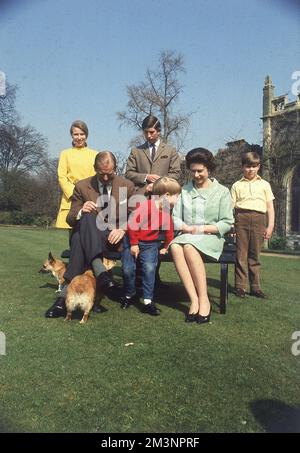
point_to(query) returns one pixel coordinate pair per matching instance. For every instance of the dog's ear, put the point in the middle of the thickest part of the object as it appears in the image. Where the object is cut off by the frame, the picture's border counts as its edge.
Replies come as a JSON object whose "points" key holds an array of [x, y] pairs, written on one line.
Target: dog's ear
{"points": [[50, 257]]}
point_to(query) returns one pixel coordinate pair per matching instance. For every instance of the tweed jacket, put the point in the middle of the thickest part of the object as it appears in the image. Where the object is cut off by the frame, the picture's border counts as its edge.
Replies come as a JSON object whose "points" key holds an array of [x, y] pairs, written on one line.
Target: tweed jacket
{"points": [[88, 190], [139, 164]]}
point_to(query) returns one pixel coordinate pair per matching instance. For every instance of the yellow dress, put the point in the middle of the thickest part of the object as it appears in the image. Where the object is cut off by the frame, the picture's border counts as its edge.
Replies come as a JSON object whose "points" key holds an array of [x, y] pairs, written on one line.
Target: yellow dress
{"points": [[74, 164]]}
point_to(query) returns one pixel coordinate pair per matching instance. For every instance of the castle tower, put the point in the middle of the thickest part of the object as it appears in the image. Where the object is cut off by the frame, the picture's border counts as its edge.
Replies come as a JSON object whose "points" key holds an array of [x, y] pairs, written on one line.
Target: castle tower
{"points": [[268, 96]]}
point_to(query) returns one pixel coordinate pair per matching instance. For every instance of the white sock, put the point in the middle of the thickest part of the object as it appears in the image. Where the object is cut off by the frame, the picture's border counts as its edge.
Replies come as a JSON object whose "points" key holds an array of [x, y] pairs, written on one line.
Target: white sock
{"points": [[147, 301]]}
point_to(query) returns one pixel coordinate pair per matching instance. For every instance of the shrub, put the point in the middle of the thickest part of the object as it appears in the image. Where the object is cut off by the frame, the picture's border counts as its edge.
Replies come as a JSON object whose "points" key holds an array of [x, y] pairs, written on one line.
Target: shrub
{"points": [[42, 221], [5, 218], [21, 218], [277, 243]]}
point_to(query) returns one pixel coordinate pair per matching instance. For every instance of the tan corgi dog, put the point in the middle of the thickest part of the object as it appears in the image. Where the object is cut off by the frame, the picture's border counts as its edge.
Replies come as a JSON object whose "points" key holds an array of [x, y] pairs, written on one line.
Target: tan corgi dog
{"points": [[81, 292], [56, 267]]}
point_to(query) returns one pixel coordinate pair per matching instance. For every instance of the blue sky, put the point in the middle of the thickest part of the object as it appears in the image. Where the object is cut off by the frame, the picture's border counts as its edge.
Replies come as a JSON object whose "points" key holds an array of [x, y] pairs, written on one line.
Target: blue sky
{"points": [[73, 59]]}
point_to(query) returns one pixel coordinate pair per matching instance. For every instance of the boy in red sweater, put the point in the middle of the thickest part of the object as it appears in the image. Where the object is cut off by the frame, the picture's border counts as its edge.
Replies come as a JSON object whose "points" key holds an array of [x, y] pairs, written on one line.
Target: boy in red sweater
{"points": [[143, 241]]}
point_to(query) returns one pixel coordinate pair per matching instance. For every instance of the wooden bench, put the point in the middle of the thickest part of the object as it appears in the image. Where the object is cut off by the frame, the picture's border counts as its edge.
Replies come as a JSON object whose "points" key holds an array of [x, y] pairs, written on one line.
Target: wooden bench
{"points": [[227, 257]]}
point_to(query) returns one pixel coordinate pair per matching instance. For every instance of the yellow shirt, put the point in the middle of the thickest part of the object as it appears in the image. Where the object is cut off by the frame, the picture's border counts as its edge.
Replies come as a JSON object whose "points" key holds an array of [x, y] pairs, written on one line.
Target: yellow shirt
{"points": [[252, 194], [74, 164]]}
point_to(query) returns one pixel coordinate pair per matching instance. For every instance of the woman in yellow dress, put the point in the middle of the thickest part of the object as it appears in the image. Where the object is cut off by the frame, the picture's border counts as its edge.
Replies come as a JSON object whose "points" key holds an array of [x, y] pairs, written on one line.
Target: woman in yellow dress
{"points": [[74, 164]]}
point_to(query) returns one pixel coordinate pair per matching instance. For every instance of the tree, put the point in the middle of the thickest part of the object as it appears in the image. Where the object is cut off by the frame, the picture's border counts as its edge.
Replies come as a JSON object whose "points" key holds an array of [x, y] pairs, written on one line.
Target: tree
{"points": [[228, 161], [29, 189], [8, 113], [158, 95], [32, 195], [21, 148]]}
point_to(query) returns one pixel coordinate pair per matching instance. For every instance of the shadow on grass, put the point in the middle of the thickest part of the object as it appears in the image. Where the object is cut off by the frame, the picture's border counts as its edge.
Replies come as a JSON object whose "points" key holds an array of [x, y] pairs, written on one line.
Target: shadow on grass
{"points": [[214, 283], [49, 285], [7, 427], [276, 416], [172, 295]]}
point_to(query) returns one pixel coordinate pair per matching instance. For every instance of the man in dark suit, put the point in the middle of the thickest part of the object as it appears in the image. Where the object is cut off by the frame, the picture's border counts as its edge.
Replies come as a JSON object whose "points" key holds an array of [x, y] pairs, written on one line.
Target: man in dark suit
{"points": [[98, 215], [153, 159]]}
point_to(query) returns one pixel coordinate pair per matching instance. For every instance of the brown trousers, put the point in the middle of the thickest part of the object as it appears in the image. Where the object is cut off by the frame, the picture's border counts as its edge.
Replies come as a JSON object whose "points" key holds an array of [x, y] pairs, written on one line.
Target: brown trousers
{"points": [[250, 228]]}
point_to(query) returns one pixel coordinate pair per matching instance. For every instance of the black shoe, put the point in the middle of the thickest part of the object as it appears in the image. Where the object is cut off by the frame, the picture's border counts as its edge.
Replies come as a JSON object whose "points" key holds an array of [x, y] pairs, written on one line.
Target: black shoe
{"points": [[203, 319], [191, 317], [108, 286], [151, 309], [58, 309], [127, 301], [258, 293]]}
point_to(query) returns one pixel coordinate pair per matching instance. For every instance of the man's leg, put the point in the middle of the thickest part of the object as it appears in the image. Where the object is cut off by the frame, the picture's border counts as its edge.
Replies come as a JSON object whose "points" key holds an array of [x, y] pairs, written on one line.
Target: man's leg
{"points": [[94, 243], [77, 264]]}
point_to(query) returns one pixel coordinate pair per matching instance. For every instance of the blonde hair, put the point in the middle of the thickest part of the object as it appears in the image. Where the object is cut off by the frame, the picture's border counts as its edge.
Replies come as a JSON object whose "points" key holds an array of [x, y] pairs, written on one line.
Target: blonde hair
{"points": [[166, 185]]}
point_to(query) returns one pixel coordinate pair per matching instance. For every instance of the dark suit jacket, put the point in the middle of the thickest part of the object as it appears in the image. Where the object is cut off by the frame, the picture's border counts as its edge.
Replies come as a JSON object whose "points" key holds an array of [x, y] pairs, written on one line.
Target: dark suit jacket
{"points": [[139, 164], [88, 190]]}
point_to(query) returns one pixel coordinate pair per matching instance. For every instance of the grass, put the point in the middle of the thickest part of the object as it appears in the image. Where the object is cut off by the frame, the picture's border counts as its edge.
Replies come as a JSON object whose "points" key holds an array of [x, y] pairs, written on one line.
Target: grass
{"points": [[236, 374]]}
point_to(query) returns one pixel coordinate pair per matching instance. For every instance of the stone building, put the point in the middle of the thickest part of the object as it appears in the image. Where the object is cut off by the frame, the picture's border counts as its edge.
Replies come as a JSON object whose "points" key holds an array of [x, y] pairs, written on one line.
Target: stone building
{"points": [[281, 157]]}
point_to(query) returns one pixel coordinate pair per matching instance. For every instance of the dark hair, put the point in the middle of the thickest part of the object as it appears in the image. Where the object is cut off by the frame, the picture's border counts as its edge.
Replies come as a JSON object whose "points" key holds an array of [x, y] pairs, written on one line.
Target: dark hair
{"points": [[81, 125], [200, 156], [151, 121], [250, 158], [105, 156]]}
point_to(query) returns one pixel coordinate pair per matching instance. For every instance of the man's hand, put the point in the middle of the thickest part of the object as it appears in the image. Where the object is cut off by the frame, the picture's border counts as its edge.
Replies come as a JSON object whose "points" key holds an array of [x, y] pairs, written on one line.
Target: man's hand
{"points": [[115, 236], [89, 206], [152, 178], [134, 250]]}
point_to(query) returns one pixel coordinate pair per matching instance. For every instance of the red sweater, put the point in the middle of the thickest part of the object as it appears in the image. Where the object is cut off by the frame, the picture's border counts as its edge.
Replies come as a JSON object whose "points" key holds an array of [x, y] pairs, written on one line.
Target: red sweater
{"points": [[146, 222]]}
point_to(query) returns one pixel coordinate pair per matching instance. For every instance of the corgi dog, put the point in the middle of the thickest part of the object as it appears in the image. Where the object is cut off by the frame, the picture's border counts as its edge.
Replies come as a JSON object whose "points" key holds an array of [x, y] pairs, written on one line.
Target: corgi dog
{"points": [[81, 292], [56, 267]]}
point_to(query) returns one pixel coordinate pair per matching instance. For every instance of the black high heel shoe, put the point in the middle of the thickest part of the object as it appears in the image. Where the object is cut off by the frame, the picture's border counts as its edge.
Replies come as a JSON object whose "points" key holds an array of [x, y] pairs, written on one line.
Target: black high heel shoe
{"points": [[203, 319], [191, 317]]}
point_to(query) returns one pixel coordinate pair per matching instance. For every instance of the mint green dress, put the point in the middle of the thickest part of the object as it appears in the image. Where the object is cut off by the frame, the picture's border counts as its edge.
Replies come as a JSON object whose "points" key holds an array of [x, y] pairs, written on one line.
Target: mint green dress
{"points": [[210, 206]]}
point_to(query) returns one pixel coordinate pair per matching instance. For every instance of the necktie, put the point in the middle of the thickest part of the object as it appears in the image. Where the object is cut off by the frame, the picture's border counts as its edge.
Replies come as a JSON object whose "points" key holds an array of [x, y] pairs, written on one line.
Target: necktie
{"points": [[105, 204], [153, 152]]}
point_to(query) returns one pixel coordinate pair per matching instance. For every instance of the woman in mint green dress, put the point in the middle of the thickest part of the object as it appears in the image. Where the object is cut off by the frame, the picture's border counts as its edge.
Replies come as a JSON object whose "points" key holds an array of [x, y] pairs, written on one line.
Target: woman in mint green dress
{"points": [[202, 214]]}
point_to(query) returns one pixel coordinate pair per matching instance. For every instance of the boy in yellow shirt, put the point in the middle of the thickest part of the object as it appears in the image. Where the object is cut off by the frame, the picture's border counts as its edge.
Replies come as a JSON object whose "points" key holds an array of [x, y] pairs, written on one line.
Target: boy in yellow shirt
{"points": [[252, 198]]}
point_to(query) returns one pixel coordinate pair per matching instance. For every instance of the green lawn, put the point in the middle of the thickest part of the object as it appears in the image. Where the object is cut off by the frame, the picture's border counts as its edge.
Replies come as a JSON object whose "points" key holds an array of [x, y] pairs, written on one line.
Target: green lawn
{"points": [[236, 374]]}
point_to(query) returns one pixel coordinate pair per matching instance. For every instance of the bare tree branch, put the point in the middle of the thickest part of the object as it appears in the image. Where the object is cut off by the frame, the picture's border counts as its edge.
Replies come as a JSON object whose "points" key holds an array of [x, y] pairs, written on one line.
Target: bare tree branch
{"points": [[21, 148], [157, 95]]}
